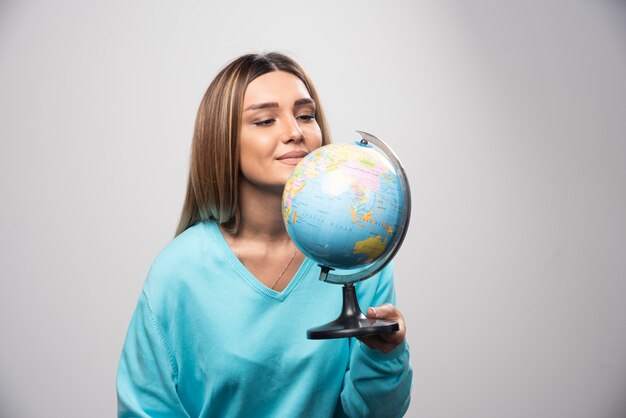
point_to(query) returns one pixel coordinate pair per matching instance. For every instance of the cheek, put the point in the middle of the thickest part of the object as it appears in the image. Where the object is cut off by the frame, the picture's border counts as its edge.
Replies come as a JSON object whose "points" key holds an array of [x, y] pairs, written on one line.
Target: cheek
{"points": [[248, 163], [314, 135], [318, 139], [253, 151]]}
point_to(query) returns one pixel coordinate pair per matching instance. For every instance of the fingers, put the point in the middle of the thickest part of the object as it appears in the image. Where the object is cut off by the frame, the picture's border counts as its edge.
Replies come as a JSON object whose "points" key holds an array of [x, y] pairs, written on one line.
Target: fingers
{"points": [[385, 342], [368, 340], [386, 311], [377, 342]]}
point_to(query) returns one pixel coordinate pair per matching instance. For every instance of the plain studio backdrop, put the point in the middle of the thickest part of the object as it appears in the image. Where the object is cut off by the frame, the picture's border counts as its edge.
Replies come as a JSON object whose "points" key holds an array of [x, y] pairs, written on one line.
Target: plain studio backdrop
{"points": [[510, 118]]}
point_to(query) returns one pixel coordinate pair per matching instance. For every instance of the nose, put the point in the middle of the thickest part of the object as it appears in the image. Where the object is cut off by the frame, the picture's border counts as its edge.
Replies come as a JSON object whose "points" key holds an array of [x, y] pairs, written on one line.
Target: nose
{"points": [[292, 131]]}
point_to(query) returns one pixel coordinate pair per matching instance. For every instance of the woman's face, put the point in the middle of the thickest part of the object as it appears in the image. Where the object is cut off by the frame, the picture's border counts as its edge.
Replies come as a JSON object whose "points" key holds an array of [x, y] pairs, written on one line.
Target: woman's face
{"points": [[278, 128]]}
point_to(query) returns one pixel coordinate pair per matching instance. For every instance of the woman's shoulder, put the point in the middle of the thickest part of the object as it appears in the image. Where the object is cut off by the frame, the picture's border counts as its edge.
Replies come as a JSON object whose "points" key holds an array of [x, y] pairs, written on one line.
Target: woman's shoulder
{"points": [[191, 240], [183, 255]]}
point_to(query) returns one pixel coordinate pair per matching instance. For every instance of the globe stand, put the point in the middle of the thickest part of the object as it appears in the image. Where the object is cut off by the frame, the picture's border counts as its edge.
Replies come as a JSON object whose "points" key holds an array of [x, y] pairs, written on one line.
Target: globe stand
{"points": [[351, 322]]}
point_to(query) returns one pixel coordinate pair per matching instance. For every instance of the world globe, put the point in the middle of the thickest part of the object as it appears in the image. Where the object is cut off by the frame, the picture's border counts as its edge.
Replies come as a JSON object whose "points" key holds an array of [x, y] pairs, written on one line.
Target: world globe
{"points": [[343, 205], [347, 207]]}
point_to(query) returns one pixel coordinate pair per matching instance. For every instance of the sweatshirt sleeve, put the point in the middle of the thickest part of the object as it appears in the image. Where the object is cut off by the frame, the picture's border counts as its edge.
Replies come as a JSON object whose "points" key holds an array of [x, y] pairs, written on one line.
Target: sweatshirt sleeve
{"points": [[147, 372], [378, 384]]}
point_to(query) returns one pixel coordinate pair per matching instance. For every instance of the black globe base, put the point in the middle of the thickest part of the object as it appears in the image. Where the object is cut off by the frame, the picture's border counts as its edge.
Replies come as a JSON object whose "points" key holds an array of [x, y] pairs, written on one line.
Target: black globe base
{"points": [[351, 322]]}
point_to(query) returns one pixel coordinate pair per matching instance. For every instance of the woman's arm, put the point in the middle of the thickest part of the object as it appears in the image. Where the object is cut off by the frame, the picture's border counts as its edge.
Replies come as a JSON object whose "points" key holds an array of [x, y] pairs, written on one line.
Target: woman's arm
{"points": [[378, 382], [147, 373]]}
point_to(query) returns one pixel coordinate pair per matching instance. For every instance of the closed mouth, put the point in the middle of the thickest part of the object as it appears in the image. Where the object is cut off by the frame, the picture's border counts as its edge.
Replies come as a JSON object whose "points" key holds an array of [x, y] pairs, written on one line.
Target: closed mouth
{"points": [[293, 155]]}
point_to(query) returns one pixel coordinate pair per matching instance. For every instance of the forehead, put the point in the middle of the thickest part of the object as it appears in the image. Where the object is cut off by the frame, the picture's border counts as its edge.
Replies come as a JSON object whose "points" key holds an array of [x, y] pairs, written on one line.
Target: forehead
{"points": [[275, 87]]}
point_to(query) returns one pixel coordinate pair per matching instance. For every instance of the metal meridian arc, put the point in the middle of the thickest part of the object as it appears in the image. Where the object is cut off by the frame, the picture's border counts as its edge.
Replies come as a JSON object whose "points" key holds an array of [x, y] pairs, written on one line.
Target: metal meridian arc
{"points": [[327, 275]]}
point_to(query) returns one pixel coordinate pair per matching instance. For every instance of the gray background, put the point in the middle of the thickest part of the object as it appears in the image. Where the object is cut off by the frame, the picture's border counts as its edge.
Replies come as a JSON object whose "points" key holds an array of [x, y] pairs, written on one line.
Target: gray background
{"points": [[510, 120]]}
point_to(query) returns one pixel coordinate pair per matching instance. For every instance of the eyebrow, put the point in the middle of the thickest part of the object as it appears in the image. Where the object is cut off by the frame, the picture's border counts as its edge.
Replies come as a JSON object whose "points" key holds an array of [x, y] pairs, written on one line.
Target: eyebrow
{"points": [[269, 105]]}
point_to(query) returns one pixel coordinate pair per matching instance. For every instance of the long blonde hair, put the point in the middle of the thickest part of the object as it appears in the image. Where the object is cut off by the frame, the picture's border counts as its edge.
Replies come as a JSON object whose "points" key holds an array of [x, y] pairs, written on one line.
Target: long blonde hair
{"points": [[212, 186]]}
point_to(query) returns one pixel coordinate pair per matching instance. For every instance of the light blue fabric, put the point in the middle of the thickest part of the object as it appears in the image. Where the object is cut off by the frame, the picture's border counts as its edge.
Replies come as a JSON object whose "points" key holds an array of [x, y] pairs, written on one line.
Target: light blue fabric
{"points": [[209, 340]]}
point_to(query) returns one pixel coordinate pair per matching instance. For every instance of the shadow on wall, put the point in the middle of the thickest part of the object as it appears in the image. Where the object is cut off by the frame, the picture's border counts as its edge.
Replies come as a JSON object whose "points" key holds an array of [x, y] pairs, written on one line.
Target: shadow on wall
{"points": [[7, 12], [5, 7], [7, 408]]}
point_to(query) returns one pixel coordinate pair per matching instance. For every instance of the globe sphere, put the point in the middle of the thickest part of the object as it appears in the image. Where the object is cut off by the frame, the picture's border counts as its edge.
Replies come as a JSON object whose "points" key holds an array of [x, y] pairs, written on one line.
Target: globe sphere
{"points": [[342, 205]]}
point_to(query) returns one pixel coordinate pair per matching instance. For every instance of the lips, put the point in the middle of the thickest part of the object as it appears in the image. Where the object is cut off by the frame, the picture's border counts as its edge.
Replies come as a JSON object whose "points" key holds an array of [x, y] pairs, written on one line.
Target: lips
{"points": [[293, 154], [292, 157]]}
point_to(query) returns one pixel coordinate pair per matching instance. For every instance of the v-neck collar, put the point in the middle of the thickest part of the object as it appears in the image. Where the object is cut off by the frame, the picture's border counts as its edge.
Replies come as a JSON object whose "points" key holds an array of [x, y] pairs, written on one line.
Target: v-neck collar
{"points": [[247, 276]]}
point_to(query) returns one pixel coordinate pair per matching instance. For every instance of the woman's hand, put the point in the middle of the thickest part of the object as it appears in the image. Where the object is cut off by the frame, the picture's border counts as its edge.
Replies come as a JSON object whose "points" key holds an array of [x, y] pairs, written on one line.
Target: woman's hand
{"points": [[385, 342]]}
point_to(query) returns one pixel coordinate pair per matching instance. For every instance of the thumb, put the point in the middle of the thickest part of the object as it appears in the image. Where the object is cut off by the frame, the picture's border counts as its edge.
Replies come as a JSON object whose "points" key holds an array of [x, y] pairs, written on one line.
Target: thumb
{"points": [[385, 311]]}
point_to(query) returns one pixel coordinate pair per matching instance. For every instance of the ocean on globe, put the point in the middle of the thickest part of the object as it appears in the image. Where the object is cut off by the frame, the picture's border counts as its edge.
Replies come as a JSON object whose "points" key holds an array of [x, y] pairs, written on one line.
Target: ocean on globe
{"points": [[342, 205]]}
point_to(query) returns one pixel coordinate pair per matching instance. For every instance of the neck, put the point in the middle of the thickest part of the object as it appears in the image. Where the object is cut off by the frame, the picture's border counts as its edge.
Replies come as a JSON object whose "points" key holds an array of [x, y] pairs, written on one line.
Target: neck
{"points": [[261, 215]]}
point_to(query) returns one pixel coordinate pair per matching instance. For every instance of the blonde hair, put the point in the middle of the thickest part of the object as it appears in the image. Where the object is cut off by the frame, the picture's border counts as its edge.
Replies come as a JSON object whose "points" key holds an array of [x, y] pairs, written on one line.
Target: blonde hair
{"points": [[212, 186]]}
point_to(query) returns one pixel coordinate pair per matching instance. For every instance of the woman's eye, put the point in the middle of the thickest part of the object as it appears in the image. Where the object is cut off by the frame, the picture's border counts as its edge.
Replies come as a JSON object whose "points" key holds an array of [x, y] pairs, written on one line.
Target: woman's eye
{"points": [[307, 117], [264, 122]]}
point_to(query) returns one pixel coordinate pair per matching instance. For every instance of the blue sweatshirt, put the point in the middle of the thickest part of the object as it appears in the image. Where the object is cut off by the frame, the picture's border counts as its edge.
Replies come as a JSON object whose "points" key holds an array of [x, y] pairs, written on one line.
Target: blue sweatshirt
{"points": [[207, 339]]}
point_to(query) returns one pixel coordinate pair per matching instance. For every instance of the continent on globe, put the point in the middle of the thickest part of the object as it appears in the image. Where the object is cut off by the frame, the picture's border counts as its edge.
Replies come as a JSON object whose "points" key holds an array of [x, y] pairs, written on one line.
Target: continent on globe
{"points": [[373, 247]]}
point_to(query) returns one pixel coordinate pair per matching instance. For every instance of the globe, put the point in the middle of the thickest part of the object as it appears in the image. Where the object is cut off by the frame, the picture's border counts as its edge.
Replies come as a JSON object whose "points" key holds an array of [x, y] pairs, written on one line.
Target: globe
{"points": [[347, 206]]}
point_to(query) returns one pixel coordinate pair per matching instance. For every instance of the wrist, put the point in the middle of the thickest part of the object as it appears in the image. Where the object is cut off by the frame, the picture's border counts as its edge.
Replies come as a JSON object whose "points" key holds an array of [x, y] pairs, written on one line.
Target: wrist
{"points": [[393, 354]]}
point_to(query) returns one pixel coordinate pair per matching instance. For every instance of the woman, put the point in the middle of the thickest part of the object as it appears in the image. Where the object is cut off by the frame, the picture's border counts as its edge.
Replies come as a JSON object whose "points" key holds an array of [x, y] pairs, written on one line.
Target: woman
{"points": [[219, 329]]}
